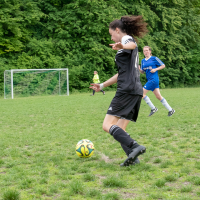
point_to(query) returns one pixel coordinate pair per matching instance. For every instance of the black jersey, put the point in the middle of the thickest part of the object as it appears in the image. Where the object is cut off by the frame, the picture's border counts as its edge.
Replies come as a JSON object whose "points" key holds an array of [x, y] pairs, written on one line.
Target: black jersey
{"points": [[128, 73]]}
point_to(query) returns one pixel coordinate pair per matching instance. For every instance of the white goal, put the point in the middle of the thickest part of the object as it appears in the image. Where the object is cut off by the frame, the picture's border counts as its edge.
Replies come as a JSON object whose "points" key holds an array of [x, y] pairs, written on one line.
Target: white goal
{"points": [[35, 82]]}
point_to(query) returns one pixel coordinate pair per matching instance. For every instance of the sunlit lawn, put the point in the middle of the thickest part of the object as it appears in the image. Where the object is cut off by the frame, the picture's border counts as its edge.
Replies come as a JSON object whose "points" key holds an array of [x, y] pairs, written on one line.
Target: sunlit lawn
{"points": [[38, 136]]}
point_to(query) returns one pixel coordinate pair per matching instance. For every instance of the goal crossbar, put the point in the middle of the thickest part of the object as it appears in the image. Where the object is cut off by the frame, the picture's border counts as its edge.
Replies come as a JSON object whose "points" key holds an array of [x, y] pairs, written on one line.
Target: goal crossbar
{"points": [[12, 71]]}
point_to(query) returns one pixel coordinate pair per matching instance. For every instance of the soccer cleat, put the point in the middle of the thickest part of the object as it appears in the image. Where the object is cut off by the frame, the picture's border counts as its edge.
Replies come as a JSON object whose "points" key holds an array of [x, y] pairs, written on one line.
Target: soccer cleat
{"points": [[91, 95], [133, 155], [170, 113], [153, 111], [103, 93], [135, 162]]}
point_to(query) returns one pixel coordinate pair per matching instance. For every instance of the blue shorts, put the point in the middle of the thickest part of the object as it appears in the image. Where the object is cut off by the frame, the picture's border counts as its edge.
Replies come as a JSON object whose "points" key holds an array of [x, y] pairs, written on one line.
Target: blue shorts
{"points": [[151, 85]]}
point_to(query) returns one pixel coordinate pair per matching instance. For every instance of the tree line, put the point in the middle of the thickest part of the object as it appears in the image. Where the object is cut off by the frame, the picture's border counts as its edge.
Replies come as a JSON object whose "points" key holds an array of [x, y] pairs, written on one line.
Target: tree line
{"points": [[74, 34]]}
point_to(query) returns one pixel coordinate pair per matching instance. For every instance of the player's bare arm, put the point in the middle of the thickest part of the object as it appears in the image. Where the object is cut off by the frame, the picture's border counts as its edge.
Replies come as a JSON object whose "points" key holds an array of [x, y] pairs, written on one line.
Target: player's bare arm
{"points": [[119, 45], [141, 71], [158, 68]]}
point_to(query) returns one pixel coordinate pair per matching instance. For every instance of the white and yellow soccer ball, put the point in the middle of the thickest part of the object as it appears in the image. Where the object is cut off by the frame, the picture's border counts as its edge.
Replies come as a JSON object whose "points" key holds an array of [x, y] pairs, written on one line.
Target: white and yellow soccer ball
{"points": [[84, 148]]}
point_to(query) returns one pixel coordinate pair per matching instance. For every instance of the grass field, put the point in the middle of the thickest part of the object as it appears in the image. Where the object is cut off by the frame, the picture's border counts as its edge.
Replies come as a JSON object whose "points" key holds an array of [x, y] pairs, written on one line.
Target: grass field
{"points": [[37, 149]]}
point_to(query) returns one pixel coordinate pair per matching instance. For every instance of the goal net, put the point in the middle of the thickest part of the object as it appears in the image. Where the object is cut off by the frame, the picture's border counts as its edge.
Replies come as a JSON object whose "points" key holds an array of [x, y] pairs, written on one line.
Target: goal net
{"points": [[35, 82]]}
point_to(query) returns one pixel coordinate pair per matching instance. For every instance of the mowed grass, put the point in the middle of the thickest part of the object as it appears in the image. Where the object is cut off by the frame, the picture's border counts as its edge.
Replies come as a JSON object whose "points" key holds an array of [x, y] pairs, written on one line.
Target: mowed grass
{"points": [[38, 136]]}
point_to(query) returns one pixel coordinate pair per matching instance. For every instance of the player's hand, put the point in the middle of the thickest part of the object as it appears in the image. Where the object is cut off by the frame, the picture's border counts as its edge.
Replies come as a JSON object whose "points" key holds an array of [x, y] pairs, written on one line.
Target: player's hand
{"points": [[117, 46], [141, 71], [95, 87], [153, 70]]}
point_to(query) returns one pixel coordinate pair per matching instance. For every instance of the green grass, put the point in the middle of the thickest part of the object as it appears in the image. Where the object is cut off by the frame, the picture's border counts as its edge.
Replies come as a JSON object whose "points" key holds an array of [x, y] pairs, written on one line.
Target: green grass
{"points": [[38, 136]]}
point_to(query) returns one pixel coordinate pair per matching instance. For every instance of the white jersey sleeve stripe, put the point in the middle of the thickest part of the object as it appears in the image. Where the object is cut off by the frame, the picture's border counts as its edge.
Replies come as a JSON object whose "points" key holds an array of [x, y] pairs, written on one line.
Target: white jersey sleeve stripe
{"points": [[129, 40], [160, 62]]}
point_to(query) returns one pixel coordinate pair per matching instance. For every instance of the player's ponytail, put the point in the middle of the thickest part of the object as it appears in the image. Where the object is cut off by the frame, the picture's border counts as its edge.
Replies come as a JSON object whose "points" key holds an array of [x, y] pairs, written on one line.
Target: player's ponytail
{"points": [[131, 25]]}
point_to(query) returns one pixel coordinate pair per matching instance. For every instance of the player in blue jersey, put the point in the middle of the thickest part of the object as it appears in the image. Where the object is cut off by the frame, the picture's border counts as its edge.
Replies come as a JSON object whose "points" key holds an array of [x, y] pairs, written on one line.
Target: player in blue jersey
{"points": [[126, 103], [150, 65]]}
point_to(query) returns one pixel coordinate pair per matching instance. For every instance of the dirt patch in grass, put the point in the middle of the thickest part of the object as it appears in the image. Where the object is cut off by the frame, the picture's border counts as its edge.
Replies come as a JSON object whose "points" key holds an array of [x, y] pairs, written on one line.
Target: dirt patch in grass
{"points": [[124, 195], [127, 195], [173, 185], [186, 183], [105, 158], [100, 177]]}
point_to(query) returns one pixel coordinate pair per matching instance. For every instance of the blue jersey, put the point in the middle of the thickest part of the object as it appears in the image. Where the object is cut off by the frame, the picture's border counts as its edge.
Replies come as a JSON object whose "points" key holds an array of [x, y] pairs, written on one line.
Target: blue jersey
{"points": [[151, 63]]}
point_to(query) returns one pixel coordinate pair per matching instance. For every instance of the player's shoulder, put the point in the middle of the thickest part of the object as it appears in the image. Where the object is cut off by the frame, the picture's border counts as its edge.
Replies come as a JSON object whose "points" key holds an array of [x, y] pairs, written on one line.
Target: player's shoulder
{"points": [[126, 39], [158, 60], [153, 57]]}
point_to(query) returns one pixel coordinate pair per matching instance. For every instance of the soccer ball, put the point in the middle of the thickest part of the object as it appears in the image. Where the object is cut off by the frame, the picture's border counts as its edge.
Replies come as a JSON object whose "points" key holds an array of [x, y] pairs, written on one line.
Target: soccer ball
{"points": [[84, 148]]}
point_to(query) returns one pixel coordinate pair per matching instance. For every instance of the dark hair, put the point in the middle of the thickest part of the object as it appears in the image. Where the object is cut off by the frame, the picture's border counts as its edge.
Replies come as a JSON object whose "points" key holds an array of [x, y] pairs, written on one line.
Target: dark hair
{"points": [[131, 25], [147, 47]]}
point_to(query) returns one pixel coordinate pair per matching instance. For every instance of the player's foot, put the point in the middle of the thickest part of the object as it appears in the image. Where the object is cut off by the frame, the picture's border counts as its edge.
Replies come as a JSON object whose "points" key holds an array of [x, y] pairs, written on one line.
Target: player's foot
{"points": [[135, 162], [134, 154], [153, 111], [103, 93], [91, 95], [170, 113]]}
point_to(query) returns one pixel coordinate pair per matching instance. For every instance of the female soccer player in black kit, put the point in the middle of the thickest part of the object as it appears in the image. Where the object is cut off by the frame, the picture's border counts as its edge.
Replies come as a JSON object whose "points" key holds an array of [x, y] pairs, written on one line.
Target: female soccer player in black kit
{"points": [[126, 103]]}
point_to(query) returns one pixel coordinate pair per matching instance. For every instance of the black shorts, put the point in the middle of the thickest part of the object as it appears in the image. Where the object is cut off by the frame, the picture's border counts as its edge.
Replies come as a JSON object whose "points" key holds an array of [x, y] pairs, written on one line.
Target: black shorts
{"points": [[125, 106]]}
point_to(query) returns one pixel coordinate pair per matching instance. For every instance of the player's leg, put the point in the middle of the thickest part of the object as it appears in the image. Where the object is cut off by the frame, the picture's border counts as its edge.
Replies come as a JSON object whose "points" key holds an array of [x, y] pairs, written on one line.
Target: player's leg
{"points": [[93, 93], [157, 94], [123, 124], [133, 115], [103, 92], [109, 120], [164, 102], [110, 126], [112, 120], [126, 107], [149, 103]]}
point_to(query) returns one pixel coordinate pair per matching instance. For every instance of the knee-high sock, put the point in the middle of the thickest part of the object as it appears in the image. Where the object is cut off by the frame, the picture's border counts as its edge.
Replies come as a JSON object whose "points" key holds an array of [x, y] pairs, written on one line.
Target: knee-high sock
{"points": [[122, 137], [126, 149], [93, 92], [164, 102], [148, 101]]}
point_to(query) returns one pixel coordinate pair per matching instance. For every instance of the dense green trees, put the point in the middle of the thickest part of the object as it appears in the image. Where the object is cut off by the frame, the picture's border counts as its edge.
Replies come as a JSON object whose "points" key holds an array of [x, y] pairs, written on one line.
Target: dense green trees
{"points": [[74, 34]]}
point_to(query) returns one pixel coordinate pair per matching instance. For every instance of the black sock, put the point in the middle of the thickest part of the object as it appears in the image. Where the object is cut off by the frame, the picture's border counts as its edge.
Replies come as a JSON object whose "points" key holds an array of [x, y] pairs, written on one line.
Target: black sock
{"points": [[134, 145], [93, 92], [126, 149], [123, 137]]}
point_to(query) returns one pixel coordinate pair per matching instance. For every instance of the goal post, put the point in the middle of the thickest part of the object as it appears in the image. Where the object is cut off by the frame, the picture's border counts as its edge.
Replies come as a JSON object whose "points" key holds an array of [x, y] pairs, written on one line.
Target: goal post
{"points": [[35, 82]]}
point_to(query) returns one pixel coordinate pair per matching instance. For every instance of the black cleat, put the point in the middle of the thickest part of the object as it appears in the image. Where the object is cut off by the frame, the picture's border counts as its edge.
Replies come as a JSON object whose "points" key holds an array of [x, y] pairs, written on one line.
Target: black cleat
{"points": [[133, 155], [153, 111], [170, 113], [135, 162]]}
